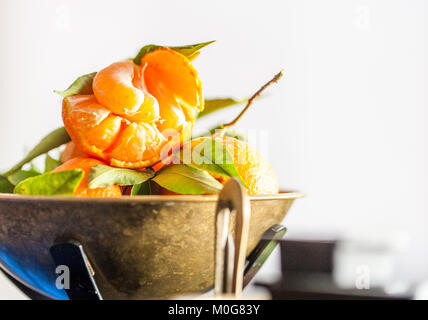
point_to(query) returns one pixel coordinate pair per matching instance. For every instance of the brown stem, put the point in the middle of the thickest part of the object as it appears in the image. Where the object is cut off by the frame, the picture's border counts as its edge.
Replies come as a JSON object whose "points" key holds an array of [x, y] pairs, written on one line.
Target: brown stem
{"points": [[226, 126]]}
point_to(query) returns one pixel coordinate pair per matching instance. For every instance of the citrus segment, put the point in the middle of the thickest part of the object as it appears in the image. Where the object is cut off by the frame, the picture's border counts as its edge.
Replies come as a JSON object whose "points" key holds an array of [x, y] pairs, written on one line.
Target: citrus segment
{"points": [[91, 126], [119, 87], [172, 80], [71, 151], [138, 145]]}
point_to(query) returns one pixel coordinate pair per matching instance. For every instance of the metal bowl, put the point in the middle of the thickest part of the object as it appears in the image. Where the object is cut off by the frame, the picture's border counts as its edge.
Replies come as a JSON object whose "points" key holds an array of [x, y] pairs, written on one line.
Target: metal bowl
{"points": [[141, 247]]}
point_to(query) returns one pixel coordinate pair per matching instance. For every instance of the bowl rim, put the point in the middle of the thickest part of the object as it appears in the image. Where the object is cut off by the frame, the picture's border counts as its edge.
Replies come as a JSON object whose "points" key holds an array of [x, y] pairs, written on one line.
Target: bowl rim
{"points": [[147, 198]]}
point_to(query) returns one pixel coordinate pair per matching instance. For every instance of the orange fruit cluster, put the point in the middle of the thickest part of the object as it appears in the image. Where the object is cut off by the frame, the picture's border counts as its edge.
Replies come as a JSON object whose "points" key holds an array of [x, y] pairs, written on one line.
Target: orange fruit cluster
{"points": [[136, 110]]}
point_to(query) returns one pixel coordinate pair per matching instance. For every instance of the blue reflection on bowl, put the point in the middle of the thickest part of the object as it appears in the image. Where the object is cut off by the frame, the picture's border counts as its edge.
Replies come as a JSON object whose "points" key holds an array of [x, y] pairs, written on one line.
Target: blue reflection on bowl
{"points": [[33, 275]]}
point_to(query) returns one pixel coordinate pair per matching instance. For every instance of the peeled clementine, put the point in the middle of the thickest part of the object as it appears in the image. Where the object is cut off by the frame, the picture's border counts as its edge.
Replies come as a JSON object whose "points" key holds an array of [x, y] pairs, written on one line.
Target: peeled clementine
{"points": [[85, 164], [136, 110]]}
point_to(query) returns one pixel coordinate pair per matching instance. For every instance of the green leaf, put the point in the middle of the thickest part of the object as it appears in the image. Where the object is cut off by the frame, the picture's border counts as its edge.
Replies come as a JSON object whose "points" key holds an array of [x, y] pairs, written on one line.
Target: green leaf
{"points": [[103, 176], [53, 140], [184, 179], [143, 51], [190, 51], [51, 163], [20, 175], [5, 185], [213, 157], [82, 85], [141, 189], [62, 183], [33, 167], [214, 105]]}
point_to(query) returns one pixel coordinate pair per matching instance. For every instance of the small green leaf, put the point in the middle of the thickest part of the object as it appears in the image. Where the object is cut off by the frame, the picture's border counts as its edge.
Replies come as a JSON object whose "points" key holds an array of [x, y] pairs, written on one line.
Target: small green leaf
{"points": [[5, 185], [82, 85], [190, 51], [34, 168], [103, 176], [21, 175], [51, 163], [141, 189], [143, 51], [53, 140], [213, 157], [214, 105], [62, 183], [184, 179]]}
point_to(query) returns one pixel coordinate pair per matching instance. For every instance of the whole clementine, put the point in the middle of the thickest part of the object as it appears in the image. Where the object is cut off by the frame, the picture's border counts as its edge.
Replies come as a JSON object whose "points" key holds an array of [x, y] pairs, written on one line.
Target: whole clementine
{"points": [[255, 171]]}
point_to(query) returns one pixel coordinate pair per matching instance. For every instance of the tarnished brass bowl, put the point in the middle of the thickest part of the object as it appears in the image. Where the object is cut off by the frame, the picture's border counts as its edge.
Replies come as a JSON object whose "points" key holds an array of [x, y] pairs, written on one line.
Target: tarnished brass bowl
{"points": [[140, 247]]}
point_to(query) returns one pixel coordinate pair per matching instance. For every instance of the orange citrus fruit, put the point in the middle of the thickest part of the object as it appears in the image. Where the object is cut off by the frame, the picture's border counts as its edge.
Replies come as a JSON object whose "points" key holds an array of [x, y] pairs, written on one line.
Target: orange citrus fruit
{"points": [[255, 171], [71, 151], [85, 164], [136, 111]]}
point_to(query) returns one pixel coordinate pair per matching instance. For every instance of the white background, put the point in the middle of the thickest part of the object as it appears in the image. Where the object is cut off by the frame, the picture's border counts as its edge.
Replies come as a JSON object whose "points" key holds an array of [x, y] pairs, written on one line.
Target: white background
{"points": [[346, 125]]}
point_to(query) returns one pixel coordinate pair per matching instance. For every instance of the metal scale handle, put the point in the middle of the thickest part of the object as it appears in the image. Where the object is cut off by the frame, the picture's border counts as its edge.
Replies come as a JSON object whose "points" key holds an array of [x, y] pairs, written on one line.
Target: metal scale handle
{"points": [[230, 254]]}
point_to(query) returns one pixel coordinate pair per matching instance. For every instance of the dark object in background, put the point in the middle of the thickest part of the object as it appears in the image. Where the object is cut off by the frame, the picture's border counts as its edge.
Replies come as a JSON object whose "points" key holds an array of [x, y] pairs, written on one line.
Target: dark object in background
{"points": [[307, 256], [307, 273]]}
